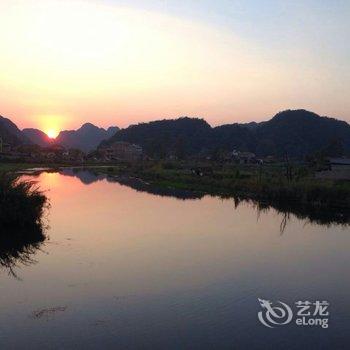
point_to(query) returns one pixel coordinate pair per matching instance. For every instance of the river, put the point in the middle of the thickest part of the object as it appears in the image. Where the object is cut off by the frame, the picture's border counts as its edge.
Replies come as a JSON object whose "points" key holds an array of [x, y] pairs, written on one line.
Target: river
{"points": [[127, 268]]}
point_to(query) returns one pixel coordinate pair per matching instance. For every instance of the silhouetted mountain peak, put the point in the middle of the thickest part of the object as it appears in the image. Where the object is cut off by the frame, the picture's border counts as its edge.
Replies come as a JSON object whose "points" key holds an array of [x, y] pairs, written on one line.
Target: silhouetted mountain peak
{"points": [[89, 126], [37, 136], [10, 132], [112, 129], [86, 138], [180, 123], [295, 115], [293, 132]]}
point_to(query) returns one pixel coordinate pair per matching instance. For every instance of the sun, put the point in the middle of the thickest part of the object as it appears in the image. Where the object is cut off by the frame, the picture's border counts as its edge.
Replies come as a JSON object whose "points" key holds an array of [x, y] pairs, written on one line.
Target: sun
{"points": [[52, 133]]}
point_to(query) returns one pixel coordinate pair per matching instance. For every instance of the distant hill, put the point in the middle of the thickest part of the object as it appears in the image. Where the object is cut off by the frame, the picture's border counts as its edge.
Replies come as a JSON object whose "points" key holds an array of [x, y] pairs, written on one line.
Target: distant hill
{"points": [[294, 132], [37, 136], [183, 136], [86, 138], [233, 136], [11, 134], [300, 132]]}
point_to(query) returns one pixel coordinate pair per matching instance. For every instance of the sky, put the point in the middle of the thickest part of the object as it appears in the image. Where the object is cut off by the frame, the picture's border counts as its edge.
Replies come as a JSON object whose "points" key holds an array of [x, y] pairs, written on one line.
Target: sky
{"points": [[117, 62]]}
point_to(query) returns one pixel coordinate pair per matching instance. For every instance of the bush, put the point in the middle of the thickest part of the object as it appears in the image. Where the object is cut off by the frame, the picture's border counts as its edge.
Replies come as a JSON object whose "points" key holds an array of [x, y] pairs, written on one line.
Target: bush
{"points": [[21, 229], [21, 204]]}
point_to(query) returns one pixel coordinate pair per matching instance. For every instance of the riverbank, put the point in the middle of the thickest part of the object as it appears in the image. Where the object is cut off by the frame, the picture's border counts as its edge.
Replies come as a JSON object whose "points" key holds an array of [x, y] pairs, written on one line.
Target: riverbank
{"points": [[269, 184], [11, 168]]}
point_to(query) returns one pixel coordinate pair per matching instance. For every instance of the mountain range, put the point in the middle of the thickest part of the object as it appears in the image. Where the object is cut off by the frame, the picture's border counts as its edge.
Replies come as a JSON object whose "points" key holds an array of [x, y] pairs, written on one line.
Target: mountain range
{"points": [[37, 137], [294, 132], [86, 138], [10, 133]]}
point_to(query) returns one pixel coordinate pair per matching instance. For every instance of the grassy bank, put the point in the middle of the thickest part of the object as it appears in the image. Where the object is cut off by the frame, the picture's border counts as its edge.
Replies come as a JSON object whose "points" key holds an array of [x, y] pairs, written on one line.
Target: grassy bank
{"points": [[270, 184], [274, 183], [11, 168]]}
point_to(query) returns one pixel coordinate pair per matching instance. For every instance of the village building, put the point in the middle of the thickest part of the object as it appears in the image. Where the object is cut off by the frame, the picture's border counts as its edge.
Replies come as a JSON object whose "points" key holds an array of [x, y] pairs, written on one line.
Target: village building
{"points": [[121, 150], [243, 157], [74, 155], [5, 148], [339, 169]]}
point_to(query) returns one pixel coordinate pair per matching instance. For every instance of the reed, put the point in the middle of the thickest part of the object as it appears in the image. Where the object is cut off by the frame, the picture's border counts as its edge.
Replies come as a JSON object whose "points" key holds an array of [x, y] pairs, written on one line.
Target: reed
{"points": [[21, 205]]}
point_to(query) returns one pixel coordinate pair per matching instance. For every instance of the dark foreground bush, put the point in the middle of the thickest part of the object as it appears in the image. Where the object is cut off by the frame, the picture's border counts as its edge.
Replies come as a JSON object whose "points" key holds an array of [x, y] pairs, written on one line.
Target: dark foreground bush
{"points": [[17, 249], [21, 204], [21, 227]]}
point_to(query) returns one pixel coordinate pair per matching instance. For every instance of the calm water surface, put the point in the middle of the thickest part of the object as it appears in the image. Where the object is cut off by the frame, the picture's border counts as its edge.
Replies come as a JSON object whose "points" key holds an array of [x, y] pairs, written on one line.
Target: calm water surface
{"points": [[133, 270]]}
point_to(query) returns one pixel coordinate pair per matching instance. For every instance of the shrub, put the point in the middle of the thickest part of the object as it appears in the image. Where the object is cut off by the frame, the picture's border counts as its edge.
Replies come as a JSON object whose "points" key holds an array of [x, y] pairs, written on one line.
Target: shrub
{"points": [[21, 228], [21, 204]]}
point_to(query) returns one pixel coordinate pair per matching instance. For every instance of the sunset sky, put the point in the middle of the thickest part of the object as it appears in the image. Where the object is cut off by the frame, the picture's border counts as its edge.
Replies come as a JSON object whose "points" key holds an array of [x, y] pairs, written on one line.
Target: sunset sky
{"points": [[114, 62]]}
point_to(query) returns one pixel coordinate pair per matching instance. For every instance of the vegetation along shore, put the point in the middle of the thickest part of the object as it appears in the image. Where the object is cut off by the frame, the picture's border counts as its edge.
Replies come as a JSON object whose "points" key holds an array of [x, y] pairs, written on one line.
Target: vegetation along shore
{"points": [[22, 206], [278, 183]]}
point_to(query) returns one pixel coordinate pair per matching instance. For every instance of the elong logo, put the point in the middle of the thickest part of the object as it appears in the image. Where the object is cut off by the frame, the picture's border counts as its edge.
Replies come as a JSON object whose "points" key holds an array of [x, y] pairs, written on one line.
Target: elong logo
{"points": [[308, 314], [274, 315]]}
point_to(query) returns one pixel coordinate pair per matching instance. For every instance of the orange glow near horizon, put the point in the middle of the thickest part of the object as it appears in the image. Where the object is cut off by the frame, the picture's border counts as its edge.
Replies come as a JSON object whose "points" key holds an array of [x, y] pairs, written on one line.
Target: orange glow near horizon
{"points": [[52, 133], [51, 124], [114, 65]]}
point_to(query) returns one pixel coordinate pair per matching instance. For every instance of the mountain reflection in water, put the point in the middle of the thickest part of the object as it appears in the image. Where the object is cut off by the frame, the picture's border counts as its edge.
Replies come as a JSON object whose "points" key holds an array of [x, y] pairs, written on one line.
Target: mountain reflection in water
{"points": [[17, 248], [126, 269], [285, 209]]}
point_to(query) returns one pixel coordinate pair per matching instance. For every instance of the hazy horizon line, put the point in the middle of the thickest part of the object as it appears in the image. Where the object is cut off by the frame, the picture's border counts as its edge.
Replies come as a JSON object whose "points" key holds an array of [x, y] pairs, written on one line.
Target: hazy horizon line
{"points": [[175, 118]]}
